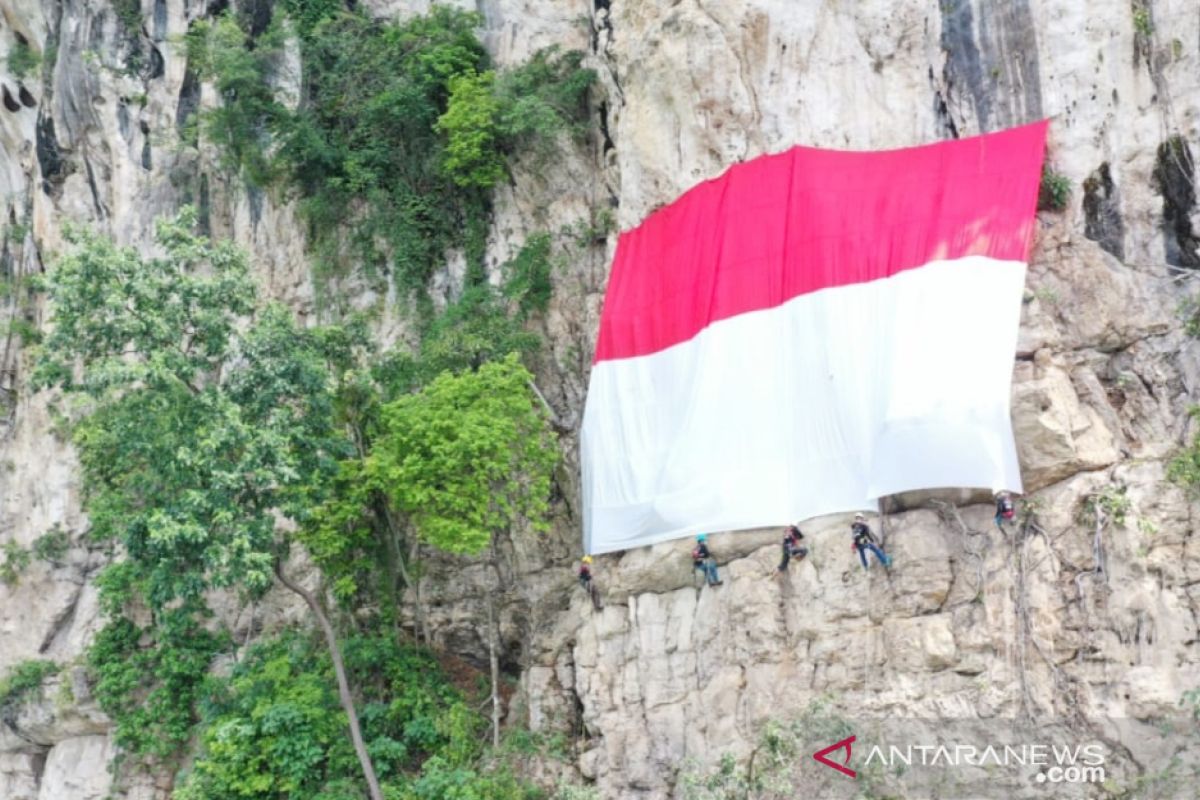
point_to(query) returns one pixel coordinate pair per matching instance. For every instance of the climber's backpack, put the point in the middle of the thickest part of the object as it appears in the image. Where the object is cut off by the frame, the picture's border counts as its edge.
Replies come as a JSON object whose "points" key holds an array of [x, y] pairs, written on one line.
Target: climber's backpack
{"points": [[1006, 508]]}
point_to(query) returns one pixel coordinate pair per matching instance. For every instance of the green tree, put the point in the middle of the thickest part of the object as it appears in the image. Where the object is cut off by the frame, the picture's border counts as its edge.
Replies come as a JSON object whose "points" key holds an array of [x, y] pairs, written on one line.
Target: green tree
{"points": [[274, 730], [202, 437], [358, 529], [470, 124], [401, 132], [468, 458], [363, 149], [241, 71]]}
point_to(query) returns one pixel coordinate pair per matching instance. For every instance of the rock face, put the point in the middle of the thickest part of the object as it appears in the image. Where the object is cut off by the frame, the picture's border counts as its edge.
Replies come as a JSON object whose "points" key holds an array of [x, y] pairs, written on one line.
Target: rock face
{"points": [[971, 623]]}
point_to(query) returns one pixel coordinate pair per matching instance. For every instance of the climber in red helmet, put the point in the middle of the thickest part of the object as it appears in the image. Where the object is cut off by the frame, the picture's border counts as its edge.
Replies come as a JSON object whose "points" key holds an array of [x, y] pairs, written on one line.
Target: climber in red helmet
{"points": [[791, 547], [1005, 508]]}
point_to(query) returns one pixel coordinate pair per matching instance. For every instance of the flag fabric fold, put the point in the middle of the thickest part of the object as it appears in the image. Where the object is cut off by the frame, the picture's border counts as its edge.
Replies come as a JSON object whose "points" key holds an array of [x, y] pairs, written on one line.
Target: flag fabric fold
{"points": [[809, 332]]}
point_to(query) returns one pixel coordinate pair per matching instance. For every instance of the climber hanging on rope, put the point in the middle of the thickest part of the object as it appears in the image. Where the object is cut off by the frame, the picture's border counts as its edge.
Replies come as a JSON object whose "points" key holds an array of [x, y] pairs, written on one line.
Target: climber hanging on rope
{"points": [[864, 540], [1005, 509], [703, 561], [585, 580], [791, 547]]}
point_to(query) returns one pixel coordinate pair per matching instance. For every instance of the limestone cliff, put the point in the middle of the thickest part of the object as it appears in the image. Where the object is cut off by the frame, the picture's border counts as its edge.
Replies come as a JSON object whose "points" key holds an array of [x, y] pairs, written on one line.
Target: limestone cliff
{"points": [[1094, 623]]}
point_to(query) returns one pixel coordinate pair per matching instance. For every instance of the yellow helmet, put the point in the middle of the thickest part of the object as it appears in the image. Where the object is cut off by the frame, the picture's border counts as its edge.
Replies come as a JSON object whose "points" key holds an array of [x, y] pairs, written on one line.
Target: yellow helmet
{"points": [[587, 559]]}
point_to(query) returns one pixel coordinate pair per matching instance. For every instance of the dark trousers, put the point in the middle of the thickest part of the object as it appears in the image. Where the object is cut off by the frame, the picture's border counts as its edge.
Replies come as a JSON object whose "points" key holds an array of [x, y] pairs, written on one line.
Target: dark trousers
{"points": [[789, 554], [879, 554]]}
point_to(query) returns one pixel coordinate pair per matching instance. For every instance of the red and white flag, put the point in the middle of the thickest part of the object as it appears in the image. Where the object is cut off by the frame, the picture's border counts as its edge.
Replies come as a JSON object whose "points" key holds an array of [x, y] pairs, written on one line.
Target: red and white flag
{"points": [[807, 333]]}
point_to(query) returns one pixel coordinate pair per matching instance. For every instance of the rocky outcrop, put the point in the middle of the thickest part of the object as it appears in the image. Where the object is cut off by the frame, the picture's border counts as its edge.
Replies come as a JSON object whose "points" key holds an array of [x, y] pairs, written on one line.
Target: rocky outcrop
{"points": [[971, 623]]}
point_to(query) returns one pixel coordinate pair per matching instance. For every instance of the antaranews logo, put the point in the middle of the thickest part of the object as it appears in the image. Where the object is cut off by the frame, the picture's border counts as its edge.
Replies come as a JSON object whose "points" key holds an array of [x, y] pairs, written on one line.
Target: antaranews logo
{"points": [[1056, 764], [844, 744]]}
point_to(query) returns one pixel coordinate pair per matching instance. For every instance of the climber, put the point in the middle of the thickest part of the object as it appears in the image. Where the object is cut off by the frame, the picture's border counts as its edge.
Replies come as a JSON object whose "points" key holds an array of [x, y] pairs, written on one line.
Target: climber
{"points": [[703, 561], [1005, 508], [791, 547], [864, 539], [585, 580]]}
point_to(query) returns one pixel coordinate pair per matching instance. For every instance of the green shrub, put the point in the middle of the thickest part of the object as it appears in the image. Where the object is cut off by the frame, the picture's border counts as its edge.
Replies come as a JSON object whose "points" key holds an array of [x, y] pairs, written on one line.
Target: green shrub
{"points": [[1055, 191], [24, 679], [240, 126], [473, 157], [542, 98], [1189, 312], [402, 131], [25, 331], [1110, 504], [275, 729], [469, 333], [1142, 25], [149, 680], [129, 13], [307, 14], [1184, 469], [16, 560], [51, 546], [23, 59], [527, 275], [440, 780]]}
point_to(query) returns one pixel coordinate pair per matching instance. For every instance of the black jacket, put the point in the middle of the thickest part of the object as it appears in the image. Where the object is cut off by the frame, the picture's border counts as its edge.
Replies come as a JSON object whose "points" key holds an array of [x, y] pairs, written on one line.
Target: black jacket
{"points": [[862, 534], [791, 540]]}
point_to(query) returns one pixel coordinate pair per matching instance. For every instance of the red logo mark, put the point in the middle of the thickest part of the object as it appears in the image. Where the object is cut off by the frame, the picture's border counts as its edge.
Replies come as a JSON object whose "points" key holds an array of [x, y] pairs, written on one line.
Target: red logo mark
{"points": [[842, 768]]}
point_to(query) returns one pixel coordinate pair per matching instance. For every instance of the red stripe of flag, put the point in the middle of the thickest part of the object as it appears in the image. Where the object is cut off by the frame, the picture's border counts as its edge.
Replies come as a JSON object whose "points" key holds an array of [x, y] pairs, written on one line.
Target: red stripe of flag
{"points": [[784, 225]]}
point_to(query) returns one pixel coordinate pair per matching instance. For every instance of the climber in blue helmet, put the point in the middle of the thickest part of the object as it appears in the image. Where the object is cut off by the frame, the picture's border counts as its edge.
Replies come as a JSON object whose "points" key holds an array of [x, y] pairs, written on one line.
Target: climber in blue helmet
{"points": [[703, 561], [865, 540], [1005, 509]]}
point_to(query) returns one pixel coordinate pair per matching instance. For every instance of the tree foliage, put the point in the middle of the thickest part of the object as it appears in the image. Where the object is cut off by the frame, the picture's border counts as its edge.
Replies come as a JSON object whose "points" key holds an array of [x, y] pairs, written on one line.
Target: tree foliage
{"points": [[468, 456], [470, 124], [202, 435], [149, 680], [154, 322], [242, 71], [402, 129], [275, 730], [217, 432], [474, 330]]}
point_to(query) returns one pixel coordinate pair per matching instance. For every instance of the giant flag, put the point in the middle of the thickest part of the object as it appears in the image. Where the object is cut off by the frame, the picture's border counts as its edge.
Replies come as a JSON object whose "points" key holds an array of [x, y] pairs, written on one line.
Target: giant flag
{"points": [[808, 332]]}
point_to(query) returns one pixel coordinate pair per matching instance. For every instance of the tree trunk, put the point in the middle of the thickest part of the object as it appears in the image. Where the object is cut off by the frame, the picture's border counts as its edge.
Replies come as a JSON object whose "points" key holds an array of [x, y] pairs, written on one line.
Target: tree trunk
{"points": [[494, 662], [414, 558], [393, 561], [494, 643], [339, 668], [410, 581]]}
